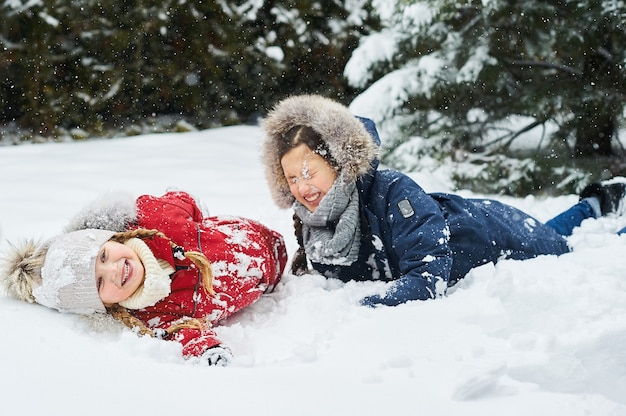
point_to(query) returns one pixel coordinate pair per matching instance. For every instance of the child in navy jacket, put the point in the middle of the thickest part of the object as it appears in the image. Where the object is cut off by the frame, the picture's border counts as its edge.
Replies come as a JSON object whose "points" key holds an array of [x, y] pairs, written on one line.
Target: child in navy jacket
{"points": [[356, 222]]}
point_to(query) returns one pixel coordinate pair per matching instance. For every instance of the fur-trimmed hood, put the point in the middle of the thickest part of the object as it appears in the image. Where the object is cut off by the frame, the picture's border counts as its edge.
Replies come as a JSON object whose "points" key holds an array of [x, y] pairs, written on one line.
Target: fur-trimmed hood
{"points": [[348, 141], [114, 211]]}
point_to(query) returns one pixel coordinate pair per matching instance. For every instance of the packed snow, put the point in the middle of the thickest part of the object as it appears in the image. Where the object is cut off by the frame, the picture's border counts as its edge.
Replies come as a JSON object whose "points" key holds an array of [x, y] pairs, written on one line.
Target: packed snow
{"points": [[542, 336]]}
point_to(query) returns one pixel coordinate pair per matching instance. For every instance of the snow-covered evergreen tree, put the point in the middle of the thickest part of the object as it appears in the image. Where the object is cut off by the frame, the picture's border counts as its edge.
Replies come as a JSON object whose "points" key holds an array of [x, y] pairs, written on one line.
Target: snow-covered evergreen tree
{"points": [[89, 63], [477, 77]]}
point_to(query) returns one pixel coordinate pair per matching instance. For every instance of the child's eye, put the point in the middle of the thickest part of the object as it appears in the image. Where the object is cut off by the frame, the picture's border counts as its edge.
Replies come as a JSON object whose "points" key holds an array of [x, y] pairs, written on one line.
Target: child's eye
{"points": [[98, 283], [102, 256]]}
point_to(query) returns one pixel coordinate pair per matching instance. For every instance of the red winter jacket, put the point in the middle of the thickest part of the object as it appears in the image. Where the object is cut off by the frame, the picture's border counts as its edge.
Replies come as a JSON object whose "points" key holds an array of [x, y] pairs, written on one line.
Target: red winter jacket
{"points": [[246, 257]]}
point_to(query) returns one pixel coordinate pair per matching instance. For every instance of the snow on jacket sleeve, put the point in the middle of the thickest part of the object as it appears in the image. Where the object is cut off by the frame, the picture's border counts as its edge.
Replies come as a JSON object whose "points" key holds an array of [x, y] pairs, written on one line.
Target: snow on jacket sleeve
{"points": [[415, 234], [175, 213], [169, 312], [195, 341]]}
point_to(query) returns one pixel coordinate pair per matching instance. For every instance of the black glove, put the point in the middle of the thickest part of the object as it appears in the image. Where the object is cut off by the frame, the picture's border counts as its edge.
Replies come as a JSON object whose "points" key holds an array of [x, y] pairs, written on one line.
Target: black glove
{"points": [[217, 356]]}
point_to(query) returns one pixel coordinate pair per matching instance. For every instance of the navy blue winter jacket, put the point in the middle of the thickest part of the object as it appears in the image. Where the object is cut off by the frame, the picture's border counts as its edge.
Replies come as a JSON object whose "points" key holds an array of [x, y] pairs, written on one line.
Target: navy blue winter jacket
{"points": [[420, 242], [426, 242]]}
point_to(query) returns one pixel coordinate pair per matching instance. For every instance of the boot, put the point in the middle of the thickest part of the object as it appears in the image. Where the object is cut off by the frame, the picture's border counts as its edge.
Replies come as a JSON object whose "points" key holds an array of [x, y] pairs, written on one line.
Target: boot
{"points": [[610, 193]]}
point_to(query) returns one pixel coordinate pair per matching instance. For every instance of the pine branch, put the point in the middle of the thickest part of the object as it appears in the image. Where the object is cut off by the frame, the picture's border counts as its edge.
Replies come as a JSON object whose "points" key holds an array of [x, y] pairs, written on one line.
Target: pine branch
{"points": [[563, 68]]}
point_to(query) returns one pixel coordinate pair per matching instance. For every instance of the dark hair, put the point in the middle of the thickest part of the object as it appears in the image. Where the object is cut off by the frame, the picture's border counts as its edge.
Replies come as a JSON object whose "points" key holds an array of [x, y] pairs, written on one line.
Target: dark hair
{"points": [[299, 264], [298, 135]]}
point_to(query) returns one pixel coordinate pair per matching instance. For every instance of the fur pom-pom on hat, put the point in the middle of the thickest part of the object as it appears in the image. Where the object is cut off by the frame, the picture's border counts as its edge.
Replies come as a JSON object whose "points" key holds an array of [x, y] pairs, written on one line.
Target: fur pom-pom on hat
{"points": [[21, 270], [350, 144]]}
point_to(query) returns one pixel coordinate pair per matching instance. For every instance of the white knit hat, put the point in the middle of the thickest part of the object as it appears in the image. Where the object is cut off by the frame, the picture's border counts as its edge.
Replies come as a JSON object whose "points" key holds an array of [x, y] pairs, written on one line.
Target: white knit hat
{"points": [[68, 276]]}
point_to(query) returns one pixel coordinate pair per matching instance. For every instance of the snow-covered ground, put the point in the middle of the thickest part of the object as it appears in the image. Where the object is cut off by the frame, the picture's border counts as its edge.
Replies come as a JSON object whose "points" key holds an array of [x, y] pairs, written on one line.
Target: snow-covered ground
{"points": [[537, 337]]}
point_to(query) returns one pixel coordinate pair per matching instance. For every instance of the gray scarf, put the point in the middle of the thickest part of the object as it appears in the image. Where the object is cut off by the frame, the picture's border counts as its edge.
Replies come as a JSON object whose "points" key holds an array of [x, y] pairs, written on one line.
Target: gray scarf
{"points": [[332, 233]]}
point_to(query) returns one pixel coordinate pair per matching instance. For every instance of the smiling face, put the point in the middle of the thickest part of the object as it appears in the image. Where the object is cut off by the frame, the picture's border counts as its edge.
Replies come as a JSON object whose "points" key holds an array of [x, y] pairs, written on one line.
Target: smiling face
{"points": [[119, 272], [309, 175]]}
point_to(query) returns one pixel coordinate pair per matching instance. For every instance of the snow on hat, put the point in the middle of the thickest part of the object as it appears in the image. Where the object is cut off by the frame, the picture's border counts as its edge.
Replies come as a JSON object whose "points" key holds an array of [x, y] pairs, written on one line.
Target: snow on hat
{"points": [[68, 281]]}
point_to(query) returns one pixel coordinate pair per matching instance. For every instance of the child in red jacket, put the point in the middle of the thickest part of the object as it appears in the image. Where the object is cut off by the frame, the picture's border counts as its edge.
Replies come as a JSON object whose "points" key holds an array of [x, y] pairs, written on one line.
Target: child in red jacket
{"points": [[162, 268]]}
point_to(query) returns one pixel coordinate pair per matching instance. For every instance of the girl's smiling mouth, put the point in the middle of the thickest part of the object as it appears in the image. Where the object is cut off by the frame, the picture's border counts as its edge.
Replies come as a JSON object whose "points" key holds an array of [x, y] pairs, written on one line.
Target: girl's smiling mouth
{"points": [[312, 197], [126, 272]]}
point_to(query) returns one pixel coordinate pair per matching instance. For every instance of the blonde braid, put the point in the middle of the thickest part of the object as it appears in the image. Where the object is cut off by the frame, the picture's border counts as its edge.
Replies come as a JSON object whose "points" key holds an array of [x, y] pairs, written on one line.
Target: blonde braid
{"points": [[124, 316], [121, 314], [142, 233], [200, 260]]}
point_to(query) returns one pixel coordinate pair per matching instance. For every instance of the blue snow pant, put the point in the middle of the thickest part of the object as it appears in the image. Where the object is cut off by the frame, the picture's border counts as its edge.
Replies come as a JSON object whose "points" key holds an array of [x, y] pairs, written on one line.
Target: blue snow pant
{"points": [[483, 231], [565, 222]]}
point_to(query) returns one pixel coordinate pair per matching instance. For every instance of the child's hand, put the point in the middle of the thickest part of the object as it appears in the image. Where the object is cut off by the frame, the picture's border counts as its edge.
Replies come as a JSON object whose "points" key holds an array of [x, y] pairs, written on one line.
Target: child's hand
{"points": [[217, 356]]}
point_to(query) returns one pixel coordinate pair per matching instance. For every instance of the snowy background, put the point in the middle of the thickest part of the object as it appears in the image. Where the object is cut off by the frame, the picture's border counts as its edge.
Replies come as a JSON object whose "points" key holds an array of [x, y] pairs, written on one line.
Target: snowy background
{"points": [[543, 336]]}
